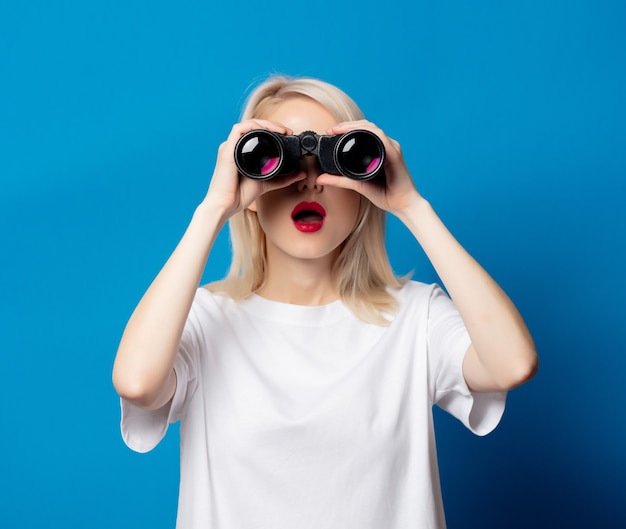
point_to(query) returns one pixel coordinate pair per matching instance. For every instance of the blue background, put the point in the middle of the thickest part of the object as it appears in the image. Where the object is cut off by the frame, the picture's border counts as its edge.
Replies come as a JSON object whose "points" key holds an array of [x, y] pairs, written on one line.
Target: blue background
{"points": [[512, 119]]}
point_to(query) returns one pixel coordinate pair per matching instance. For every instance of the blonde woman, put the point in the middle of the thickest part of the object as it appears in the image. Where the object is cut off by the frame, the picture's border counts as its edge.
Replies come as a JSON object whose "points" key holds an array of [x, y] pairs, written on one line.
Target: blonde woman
{"points": [[304, 381]]}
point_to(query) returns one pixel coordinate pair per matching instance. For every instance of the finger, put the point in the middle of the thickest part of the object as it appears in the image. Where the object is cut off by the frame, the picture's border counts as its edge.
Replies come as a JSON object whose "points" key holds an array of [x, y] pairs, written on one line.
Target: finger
{"points": [[347, 126], [239, 129], [391, 145], [274, 126], [281, 181], [327, 179]]}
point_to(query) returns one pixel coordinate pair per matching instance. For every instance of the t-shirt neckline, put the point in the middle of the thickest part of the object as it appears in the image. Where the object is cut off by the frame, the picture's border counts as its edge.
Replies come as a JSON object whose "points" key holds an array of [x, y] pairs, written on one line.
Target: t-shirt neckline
{"points": [[309, 315]]}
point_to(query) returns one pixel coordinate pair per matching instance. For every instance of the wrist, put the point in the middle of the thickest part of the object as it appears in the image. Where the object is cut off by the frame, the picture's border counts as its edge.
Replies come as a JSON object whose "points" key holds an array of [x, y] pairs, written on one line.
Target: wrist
{"points": [[209, 213], [414, 211]]}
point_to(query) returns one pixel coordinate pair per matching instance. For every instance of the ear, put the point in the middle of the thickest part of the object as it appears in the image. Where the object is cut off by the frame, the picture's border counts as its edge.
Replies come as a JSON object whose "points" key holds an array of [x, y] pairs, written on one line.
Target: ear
{"points": [[252, 206]]}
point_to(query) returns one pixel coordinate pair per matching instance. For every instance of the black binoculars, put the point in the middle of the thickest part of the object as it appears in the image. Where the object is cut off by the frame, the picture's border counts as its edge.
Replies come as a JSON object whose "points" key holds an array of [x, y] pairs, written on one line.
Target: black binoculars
{"points": [[262, 154]]}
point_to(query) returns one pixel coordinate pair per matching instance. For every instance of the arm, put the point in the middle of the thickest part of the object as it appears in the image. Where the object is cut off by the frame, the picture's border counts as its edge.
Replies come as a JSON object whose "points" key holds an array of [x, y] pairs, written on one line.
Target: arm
{"points": [[143, 370], [502, 354]]}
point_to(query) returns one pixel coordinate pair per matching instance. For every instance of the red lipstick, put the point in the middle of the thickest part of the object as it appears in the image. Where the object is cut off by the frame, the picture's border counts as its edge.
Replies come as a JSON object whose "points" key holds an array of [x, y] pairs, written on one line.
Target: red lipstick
{"points": [[308, 217]]}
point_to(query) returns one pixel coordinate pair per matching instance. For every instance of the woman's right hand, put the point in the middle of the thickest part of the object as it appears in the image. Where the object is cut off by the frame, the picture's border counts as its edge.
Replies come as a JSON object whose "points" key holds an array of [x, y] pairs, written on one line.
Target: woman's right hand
{"points": [[230, 192], [143, 371]]}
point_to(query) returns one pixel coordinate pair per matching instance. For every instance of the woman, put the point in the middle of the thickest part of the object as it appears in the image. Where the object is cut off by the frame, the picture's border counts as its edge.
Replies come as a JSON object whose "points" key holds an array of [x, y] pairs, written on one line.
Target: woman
{"points": [[304, 380]]}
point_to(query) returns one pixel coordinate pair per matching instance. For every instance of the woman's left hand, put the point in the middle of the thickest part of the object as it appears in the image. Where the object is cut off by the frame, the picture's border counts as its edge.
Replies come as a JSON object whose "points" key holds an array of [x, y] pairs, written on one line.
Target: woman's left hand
{"points": [[396, 192]]}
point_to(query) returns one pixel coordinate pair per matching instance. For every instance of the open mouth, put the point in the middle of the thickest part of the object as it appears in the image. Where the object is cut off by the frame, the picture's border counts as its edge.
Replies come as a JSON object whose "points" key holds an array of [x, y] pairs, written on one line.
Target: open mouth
{"points": [[308, 216]]}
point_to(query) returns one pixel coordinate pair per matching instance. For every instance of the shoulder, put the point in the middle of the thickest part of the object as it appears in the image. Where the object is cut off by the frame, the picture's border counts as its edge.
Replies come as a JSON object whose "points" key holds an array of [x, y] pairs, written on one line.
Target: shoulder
{"points": [[208, 306], [414, 300], [415, 292], [209, 313], [207, 298]]}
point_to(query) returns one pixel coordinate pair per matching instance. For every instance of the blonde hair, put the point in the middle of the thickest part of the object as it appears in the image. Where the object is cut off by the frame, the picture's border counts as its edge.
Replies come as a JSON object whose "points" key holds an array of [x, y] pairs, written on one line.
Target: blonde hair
{"points": [[362, 270]]}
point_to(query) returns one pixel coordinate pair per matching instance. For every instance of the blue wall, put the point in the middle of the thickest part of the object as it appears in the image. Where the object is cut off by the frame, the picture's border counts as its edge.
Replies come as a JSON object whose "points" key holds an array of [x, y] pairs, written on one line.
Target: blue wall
{"points": [[512, 118]]}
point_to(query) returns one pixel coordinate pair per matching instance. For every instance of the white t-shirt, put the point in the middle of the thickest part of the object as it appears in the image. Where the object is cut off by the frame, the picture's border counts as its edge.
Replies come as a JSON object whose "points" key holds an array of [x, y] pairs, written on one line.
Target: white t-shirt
{"points": [[298, 417]]}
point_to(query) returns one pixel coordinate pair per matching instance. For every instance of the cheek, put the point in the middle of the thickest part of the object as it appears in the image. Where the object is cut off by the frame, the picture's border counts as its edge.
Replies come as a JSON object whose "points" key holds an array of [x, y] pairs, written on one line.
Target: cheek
{"points": [[266, 219], [269, 213], [351, 210]]}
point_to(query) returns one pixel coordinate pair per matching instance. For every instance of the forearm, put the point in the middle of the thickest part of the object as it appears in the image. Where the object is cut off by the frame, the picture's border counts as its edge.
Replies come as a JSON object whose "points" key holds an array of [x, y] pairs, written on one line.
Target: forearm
{"points": [[505, 353], [143, 370]]}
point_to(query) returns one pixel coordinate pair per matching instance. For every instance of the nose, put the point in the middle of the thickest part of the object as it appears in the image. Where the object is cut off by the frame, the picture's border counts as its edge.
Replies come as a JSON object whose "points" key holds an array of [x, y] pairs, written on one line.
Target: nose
{"points": [[310, 167]]}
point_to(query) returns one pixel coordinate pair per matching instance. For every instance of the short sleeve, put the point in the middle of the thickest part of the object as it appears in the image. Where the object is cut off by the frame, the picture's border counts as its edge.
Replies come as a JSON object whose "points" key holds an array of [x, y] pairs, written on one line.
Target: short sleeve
{"points": [[143, 429], [448, 342]]}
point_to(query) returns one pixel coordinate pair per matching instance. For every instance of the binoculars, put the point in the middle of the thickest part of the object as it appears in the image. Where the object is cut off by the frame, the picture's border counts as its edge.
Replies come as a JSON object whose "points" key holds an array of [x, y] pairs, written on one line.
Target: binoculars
{"points": [[262, 154]]}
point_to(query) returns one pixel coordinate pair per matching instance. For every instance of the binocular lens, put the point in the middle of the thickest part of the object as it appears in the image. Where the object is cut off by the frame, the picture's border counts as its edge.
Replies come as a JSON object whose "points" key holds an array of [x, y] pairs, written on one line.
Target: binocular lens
{"points": [[359, 154], [259, 154]]}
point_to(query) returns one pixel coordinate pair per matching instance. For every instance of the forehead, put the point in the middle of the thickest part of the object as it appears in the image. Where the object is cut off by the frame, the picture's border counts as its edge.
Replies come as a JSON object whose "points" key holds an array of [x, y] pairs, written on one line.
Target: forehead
{"points": [[300, 114]]}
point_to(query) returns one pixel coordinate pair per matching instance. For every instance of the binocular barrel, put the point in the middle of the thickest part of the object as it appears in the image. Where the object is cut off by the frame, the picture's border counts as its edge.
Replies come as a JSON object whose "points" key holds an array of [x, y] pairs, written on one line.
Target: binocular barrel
{"points": [[262, 154]]}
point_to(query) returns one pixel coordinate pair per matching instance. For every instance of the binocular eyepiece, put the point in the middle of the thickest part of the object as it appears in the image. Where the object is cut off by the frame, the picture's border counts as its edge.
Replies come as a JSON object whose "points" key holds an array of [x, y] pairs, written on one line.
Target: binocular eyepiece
{"points": [[262, 154]]}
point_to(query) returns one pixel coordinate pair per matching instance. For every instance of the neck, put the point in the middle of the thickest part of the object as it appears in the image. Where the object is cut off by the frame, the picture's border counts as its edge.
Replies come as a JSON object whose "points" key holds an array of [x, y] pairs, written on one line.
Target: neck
{"points": [[299, 281]]}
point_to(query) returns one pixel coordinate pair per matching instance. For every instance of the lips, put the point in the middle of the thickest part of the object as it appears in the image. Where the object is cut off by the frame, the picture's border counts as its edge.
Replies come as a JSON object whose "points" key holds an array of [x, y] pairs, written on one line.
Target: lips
{"points": [[308, 217]]}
